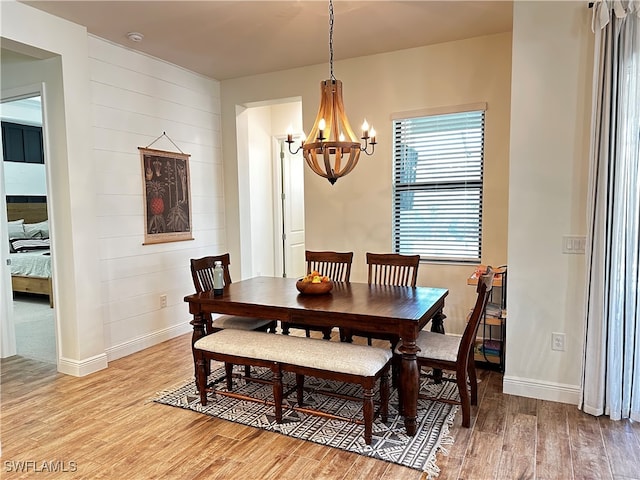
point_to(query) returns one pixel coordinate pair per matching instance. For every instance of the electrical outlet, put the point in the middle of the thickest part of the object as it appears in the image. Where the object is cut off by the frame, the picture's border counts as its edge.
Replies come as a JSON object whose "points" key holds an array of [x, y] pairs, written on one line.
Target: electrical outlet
{"points": [[163, 300], [557, 341]]}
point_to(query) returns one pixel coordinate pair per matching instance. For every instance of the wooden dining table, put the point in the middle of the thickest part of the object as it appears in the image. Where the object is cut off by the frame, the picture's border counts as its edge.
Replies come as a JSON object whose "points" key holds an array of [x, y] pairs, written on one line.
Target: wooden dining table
{"points": [[402, 311]]}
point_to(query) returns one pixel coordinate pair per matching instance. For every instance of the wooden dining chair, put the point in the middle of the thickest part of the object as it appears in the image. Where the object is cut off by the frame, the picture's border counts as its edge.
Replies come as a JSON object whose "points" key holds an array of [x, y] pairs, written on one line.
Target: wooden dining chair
{"points": [[202, 274], [336, 266], [455, 354], [391, 269]]}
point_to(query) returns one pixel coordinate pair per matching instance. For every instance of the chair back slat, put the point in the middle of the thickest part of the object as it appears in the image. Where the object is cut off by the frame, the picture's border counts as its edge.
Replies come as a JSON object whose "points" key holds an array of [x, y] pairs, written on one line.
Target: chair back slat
{"points": [[393, 269], [335, 265], [485, 284], [202, 271]]}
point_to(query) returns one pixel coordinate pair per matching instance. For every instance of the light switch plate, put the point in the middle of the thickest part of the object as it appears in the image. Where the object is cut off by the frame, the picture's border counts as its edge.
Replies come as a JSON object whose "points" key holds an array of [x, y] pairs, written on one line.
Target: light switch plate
{"points": [[573, 244]]}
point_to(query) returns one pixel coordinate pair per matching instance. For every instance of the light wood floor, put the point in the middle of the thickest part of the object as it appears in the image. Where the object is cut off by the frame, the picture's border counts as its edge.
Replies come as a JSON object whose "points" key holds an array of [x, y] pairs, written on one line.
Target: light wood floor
{"points": [[105, 426]]}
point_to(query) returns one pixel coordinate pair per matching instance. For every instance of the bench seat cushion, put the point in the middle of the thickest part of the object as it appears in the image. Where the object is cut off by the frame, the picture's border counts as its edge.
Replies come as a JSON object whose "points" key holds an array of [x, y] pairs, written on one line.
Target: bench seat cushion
{"points": [[360, 360]]}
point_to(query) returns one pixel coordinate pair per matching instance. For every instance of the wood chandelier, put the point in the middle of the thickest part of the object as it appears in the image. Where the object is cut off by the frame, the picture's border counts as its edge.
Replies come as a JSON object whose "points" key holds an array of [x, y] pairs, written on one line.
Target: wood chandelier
{"points": [[332, 149]]}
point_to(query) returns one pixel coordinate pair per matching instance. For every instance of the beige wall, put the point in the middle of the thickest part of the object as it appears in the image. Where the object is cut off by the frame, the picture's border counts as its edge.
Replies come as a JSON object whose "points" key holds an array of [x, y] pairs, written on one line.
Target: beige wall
{"points": [[355, 213], [550, 114]]}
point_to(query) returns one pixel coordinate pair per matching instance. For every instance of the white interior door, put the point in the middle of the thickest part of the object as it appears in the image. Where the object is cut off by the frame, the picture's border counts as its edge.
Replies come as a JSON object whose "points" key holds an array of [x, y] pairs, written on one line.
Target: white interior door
{"points": [[290, 218]]}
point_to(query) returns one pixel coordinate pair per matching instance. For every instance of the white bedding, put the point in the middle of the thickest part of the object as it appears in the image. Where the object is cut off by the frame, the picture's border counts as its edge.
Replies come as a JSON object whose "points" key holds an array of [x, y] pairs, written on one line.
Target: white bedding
{"points": [[35, 263]]}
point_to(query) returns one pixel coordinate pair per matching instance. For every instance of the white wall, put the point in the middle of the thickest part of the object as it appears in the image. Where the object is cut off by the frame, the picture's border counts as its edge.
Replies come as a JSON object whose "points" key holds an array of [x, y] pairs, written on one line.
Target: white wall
{"points": [[25, 179], [355, 213], [261, 192], [135, 99], [550, 115]]}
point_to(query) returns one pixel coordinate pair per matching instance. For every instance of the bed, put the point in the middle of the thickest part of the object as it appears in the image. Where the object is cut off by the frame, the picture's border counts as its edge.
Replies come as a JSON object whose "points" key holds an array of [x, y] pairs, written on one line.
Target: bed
{"points": [[30, 249]]}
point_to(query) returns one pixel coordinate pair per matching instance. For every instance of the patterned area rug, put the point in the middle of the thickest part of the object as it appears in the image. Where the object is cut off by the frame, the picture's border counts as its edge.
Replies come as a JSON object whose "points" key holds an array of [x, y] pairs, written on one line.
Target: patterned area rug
{"points": [[390, 442]]}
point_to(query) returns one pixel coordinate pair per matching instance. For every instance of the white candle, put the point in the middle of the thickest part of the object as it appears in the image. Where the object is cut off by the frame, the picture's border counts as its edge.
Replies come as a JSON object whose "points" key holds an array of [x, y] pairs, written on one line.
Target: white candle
{"points": [[321, 126], [365, 129]]}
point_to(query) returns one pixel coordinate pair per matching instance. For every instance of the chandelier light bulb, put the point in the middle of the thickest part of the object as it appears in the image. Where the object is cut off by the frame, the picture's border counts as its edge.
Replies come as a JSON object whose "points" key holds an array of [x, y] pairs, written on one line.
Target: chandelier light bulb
{"points": [[321, 126]]}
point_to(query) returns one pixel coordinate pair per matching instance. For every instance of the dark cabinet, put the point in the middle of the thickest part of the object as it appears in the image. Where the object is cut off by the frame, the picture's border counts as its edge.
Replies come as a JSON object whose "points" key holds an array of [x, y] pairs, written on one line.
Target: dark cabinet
{"points": [[22, 143]]}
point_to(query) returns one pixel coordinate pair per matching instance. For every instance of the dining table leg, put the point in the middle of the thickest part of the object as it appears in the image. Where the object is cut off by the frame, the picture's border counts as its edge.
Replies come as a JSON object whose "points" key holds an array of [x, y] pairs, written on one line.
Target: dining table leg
{"points": [[437, 326], [437, 322], [198, 324], [409, 385]]}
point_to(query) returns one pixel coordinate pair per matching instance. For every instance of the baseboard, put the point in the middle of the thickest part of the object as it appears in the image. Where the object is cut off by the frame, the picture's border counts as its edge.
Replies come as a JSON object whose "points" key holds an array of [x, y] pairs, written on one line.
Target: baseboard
{"points": [[80, 368], [555, 392], [146, 341]]}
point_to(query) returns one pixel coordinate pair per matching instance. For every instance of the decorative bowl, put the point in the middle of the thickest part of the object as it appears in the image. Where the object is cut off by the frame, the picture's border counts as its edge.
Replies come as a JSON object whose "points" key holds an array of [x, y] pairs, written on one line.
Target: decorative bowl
{"points": [[309, 288]]}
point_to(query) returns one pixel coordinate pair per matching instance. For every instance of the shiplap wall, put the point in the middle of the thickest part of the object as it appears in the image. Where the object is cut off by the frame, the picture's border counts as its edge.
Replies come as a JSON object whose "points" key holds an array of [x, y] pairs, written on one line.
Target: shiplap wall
{"points": [[135, 98]]}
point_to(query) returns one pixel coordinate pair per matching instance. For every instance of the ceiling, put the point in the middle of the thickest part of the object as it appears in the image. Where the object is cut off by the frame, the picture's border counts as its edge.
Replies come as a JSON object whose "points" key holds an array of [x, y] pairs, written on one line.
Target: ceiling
{"points": [[230, 39]]}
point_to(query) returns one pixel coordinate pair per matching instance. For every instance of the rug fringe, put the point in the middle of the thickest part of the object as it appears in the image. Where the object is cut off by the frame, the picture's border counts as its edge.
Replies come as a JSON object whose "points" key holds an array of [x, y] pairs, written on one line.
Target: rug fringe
{"points": [[431, 468]]}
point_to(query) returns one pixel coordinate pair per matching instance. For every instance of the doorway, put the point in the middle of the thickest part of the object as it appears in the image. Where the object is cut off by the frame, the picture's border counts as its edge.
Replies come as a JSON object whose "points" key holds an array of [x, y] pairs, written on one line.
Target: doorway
{"points": [[270, 191], [28, 317]]}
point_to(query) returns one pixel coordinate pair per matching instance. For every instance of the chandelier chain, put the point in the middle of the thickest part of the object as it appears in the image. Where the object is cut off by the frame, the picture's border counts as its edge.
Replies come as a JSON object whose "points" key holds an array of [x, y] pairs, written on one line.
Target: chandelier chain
{"points": [[332, 149], [331, 38]]}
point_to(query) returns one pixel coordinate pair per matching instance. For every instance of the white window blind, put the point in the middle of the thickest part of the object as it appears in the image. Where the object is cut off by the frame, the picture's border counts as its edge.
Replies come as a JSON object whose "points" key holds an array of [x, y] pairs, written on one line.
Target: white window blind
{"points": [[438, 164]]}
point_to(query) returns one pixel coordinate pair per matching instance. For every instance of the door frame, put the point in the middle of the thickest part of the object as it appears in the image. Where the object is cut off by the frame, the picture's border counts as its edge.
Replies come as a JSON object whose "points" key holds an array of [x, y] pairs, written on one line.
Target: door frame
{"points": [[278, 206]]}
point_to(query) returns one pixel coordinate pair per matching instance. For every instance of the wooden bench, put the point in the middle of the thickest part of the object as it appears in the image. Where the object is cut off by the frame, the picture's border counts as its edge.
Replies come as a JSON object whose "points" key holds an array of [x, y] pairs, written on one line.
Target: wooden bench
{"points": [[344, 362]]}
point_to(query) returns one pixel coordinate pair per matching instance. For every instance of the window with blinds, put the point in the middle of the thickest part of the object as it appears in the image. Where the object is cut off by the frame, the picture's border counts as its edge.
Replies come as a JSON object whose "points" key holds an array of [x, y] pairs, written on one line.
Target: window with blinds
{"points": [[438, 165]]}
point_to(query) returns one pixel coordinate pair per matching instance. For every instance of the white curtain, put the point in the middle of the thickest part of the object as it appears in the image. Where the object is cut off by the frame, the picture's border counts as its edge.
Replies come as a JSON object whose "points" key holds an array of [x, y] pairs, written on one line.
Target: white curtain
{"points": [[611, 373]]}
